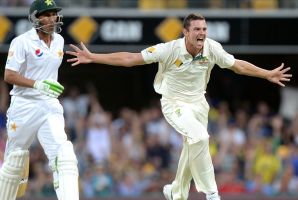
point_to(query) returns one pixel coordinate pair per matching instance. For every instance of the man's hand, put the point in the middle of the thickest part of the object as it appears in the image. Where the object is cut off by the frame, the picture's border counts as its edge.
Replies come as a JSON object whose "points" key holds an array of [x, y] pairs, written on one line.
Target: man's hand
{"points": [[49, 87], [81, 56], [279, 75]]}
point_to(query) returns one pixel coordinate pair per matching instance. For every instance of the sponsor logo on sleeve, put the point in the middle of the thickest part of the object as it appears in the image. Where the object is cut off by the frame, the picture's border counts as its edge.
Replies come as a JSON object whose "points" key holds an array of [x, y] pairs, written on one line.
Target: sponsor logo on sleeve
{"points": [[60, 53], [151, 49], [9, 56]]}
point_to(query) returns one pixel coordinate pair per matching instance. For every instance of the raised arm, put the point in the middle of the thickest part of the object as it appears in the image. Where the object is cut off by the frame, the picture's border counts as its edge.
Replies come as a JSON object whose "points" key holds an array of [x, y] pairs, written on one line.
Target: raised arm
{"points": [[83, 56], [277, 75]]}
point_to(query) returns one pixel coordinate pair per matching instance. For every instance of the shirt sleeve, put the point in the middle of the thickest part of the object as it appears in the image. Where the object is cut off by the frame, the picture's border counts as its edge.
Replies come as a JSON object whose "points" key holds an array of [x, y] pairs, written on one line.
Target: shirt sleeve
{"points": [[16, 55], [221, 57], [155, 53]]}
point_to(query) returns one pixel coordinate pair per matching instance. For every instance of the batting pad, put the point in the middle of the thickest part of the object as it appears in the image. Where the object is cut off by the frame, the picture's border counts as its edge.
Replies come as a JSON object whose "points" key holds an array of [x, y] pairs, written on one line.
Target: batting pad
{"points": [[11, 174], [24, 181], [65, 173]]}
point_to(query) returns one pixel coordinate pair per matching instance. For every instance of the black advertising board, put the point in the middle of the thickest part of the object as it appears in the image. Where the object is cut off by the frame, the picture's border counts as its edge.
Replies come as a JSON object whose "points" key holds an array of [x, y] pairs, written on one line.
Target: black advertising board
{"points": [[140, 31]]}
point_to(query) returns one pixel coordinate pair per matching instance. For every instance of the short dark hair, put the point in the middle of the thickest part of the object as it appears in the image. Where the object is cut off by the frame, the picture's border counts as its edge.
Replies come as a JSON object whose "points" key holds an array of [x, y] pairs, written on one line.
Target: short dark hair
{"points": [[191, 17]]}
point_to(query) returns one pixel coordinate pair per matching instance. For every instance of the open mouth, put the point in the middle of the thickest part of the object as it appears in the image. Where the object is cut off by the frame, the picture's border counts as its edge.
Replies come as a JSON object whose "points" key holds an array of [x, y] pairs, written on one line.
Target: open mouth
{"points": [[200, 39]]}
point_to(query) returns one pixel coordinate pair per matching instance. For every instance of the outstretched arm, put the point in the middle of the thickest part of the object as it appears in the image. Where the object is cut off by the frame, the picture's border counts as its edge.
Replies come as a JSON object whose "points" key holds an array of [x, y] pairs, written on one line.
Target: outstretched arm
{"points": [[277, 75], [83, 56]]}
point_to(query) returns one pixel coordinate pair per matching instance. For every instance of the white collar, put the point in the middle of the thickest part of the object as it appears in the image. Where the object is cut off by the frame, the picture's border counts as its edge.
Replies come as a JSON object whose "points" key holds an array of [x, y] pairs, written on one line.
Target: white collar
{"points": [[34, 36]]}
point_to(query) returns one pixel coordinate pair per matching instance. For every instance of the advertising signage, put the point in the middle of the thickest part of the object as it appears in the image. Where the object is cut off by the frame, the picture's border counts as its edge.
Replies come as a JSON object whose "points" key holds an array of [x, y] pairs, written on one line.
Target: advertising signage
{"points": [[143, 31]]}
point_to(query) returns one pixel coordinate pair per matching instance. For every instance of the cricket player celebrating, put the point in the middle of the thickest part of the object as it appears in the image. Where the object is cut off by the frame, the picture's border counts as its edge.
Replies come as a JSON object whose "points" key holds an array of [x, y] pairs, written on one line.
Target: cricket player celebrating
{"points": [[32, 67], [184, 70]]}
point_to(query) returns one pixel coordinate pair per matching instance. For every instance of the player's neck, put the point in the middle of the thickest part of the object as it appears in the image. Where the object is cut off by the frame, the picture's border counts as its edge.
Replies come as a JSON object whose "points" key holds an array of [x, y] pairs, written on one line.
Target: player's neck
{"points": [[46, 37], [194, 51]]}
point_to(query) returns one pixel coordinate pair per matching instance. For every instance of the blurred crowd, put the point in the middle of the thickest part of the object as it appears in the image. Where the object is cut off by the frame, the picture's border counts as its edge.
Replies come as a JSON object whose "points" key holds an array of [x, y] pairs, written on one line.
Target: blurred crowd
{"points": [[133, 153], [165, 4]]}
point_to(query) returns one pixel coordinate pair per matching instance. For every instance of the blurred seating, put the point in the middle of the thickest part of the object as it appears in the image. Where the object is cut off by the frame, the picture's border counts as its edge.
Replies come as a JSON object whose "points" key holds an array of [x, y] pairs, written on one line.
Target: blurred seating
{"points": [[134, 153], [166, 4], [144, 149], [152, 4], [264, 4]]}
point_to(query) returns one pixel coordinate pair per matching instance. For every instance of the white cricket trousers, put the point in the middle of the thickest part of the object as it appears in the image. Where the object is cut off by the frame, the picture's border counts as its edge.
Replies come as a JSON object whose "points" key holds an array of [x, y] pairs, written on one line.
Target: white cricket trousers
{"points": [[28, 118], [190, 119]]}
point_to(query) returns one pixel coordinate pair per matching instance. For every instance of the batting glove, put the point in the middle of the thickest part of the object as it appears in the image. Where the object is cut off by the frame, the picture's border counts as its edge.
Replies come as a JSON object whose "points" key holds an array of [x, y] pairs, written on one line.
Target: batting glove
{"points": [[49, 87]]}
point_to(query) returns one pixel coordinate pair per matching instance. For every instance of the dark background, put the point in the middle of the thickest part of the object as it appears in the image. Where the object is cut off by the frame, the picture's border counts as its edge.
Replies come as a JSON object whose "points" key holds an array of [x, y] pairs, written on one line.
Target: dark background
{"points": [[133, 87]]}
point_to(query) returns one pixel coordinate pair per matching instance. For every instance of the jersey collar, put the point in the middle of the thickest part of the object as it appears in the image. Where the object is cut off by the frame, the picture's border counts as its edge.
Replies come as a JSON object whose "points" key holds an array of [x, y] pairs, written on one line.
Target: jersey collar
{"points": [[34, 36], [184, 53], [183, 47], [187, 55]]}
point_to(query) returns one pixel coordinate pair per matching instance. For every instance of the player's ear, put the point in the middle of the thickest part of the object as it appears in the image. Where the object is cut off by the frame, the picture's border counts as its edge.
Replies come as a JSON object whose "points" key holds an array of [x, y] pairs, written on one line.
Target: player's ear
{"points": [[185, 31]]}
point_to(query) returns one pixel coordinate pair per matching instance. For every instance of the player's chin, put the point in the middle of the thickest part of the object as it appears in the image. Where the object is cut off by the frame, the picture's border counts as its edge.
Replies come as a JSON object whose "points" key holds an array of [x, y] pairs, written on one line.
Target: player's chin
{"points": [[49, 28], [200, 45]]}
